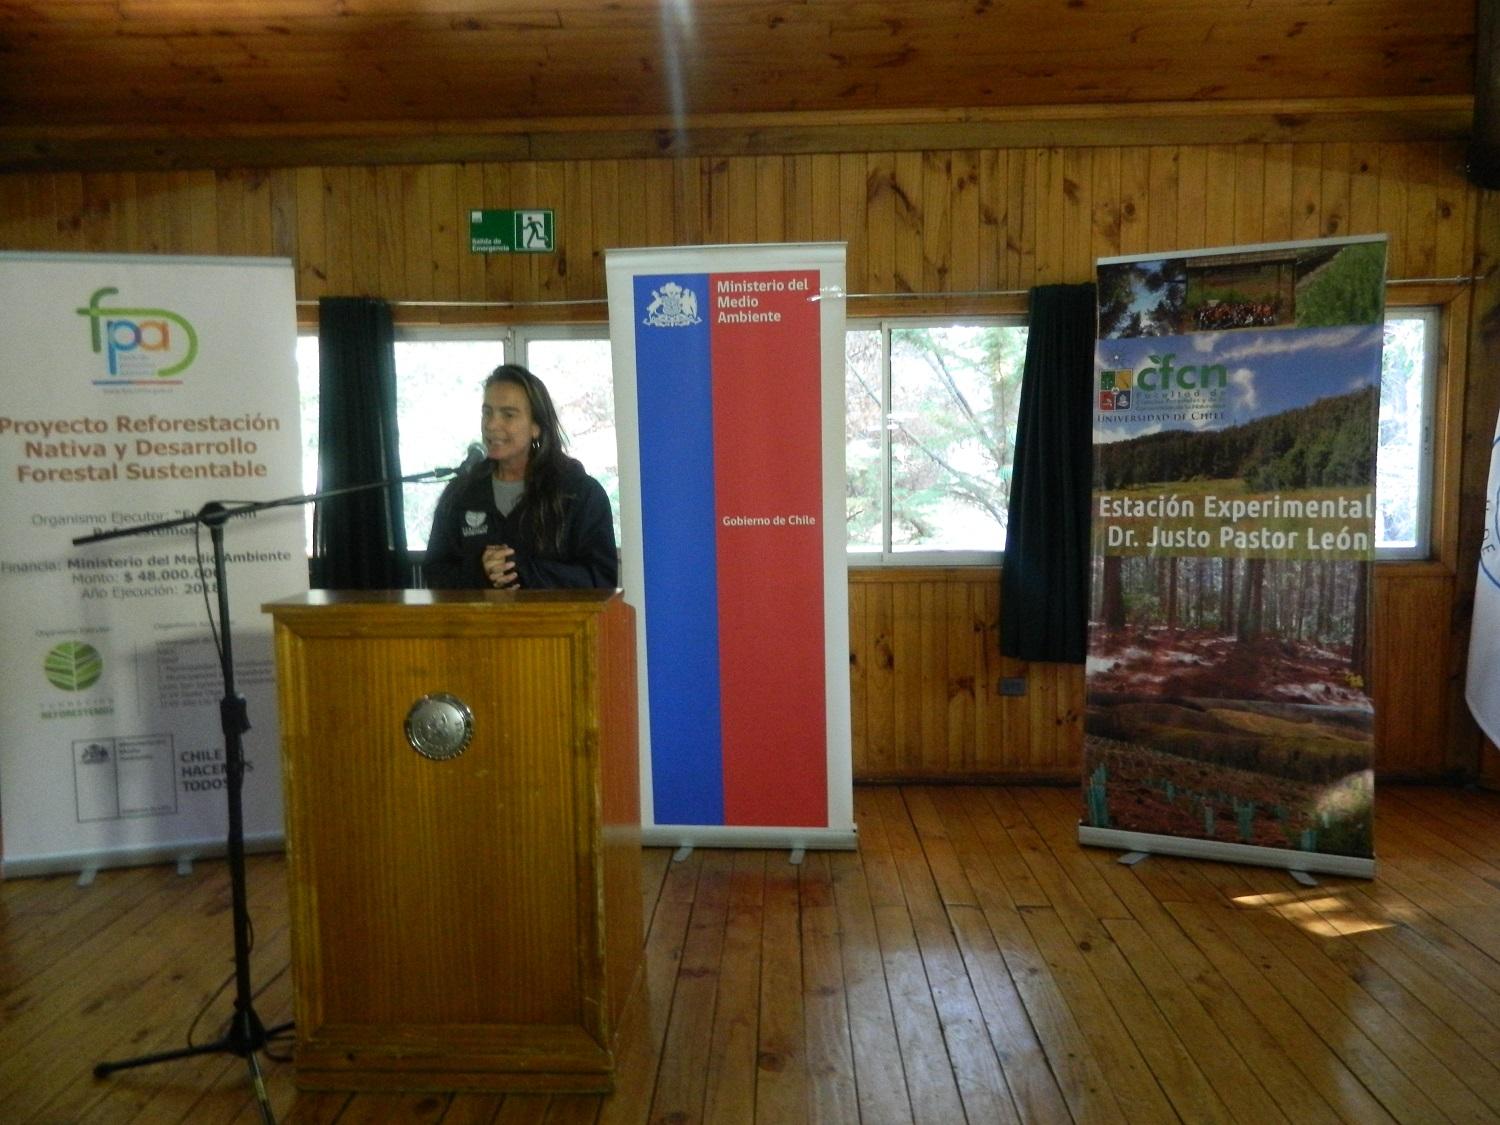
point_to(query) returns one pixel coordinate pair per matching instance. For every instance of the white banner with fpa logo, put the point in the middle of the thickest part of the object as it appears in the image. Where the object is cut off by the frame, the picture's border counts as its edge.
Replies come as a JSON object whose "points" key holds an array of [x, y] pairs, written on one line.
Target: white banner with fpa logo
{"points": [[139, 388]]}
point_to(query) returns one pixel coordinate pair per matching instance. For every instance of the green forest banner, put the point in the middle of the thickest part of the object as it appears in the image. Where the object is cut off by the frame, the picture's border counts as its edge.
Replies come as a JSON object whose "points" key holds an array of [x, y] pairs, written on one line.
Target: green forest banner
{"points": [[1235, 431]]}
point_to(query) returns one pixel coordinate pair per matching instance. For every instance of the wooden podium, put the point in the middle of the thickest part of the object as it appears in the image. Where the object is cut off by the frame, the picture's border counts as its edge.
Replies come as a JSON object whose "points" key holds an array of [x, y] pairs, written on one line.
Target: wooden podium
{"points": [[468, 922]]}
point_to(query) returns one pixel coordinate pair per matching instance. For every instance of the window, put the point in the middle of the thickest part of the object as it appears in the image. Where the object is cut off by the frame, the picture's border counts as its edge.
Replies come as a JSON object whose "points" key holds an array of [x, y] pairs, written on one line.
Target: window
{"points": [[576, 365], [931, 427], [1408, 390], [437, 410], [439, 374], [931, 424]]}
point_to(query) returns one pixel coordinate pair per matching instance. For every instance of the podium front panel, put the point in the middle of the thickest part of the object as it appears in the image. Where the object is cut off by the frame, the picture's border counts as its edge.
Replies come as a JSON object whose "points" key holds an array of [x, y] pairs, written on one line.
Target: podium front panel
{"points": [[470, 921]]}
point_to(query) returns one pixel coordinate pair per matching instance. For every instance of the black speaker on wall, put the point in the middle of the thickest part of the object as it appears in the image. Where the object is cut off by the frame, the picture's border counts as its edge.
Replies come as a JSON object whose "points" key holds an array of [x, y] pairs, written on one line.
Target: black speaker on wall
{"points": [[1484, 144]]}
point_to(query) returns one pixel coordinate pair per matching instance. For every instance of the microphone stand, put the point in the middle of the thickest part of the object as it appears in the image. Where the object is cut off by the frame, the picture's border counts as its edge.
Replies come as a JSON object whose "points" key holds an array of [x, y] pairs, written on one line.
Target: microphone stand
{"points": [[246, 1033]]}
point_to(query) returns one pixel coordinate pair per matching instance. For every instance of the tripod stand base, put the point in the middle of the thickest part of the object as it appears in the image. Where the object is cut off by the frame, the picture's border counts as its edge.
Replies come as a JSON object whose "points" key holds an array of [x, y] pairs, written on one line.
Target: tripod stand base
{"points": [[241, 1041], [246, 1036]]}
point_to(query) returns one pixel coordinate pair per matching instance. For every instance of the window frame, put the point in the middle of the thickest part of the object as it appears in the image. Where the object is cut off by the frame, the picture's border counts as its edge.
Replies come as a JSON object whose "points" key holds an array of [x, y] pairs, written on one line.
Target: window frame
{"points": [[887, 557], [1452, 303], [514, 340], [1443, 307], [524, 334], [1432, 315]]}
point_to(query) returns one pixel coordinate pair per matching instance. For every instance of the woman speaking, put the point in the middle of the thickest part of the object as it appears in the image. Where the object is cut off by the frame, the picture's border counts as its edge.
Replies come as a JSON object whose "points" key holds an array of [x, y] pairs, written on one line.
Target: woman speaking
{"points": [[527, 516]]}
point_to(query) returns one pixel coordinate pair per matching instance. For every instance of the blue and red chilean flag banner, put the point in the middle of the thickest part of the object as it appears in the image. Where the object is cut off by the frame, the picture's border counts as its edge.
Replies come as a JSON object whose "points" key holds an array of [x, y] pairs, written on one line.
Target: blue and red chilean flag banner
{"points": [[729, 410], [1236, 410]]}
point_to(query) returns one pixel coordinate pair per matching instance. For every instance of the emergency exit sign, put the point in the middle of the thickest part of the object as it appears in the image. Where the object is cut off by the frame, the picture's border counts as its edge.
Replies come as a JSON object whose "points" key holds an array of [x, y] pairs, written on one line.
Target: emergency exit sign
{"points": [[504, 232]]}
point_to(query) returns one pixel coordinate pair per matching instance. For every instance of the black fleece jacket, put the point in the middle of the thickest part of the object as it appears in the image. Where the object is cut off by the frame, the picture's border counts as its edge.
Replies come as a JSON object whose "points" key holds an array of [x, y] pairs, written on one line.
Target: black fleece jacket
{"points": [[467, 521]]}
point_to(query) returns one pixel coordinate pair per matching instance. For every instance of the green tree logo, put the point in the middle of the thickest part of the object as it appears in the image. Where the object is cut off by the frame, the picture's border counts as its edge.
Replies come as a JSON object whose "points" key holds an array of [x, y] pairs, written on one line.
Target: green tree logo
{"points": [[74, 666]]}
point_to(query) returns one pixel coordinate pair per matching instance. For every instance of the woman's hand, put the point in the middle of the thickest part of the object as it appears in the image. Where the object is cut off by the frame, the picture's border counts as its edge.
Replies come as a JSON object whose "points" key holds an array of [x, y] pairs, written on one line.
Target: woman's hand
{"points": [[500, 567]]}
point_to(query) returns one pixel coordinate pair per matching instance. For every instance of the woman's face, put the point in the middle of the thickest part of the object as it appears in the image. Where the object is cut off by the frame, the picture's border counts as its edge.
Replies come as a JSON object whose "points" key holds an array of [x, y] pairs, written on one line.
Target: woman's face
{"points": [[507, 426]]}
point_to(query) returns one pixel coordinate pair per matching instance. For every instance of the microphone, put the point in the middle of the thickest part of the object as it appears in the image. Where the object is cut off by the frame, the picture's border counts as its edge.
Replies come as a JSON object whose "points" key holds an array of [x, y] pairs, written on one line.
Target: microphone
{"points": [[472, 460]]}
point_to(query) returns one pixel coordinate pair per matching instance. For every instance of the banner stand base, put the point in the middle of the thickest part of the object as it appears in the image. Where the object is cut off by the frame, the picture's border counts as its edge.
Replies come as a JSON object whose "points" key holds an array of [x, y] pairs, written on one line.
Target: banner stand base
{"points": [[144, 856], [725, 836], [1189, 848]]}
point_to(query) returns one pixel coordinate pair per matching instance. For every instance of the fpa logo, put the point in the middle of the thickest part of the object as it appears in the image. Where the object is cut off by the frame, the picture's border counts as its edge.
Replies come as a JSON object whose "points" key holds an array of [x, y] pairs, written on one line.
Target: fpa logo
{"points": [[139, 345]]}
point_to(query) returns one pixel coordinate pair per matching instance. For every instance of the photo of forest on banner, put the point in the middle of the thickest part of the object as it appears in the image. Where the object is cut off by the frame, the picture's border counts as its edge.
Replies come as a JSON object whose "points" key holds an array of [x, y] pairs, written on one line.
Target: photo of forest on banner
{"points": [[1235, 426]]}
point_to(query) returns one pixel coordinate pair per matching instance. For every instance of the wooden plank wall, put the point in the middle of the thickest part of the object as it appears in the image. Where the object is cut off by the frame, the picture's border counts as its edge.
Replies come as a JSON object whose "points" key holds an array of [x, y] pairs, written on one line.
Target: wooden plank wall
{"points": [[925, 670]]}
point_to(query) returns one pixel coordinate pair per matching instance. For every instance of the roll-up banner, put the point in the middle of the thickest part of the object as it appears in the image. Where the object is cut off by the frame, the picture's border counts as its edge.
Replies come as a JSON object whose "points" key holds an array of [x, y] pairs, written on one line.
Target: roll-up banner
{"points": [[1482, 685], [729, 403], [1235, 432], [138, 389]]}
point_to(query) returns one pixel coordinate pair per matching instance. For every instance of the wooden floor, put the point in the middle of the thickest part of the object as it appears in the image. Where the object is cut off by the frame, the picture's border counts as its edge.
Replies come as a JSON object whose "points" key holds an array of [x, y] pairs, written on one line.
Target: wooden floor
{"points": [[970, 963]]}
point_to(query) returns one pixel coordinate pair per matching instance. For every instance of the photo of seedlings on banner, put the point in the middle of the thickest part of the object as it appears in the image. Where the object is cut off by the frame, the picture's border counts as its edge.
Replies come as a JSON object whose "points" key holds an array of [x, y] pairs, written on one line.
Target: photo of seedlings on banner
{"points": [[1236, 407]]}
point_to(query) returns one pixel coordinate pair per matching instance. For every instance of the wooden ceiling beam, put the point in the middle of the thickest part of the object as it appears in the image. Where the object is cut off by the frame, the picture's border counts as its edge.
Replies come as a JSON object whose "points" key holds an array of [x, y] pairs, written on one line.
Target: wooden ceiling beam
{"points": [[224, 83], [194, 83], [30, 148]]}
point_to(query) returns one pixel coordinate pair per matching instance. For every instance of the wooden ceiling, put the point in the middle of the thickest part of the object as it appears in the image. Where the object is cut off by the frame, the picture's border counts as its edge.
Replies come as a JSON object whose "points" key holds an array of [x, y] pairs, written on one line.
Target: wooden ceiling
{"points": [[160, 76]]}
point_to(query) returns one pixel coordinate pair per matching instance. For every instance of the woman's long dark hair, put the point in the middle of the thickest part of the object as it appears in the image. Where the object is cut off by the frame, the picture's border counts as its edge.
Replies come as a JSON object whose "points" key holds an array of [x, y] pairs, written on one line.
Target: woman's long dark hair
{"points": [[543, 495]]}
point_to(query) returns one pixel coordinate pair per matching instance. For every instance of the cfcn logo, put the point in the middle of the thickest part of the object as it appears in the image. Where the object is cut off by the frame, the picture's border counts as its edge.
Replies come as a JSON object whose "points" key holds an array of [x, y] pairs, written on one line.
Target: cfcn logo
{"points": [[140, 346]]}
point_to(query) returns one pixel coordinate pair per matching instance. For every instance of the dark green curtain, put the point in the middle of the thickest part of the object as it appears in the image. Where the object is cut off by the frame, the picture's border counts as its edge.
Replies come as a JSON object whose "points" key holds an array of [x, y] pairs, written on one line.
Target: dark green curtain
{"points": [[359, 540], [1044, 584]]}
